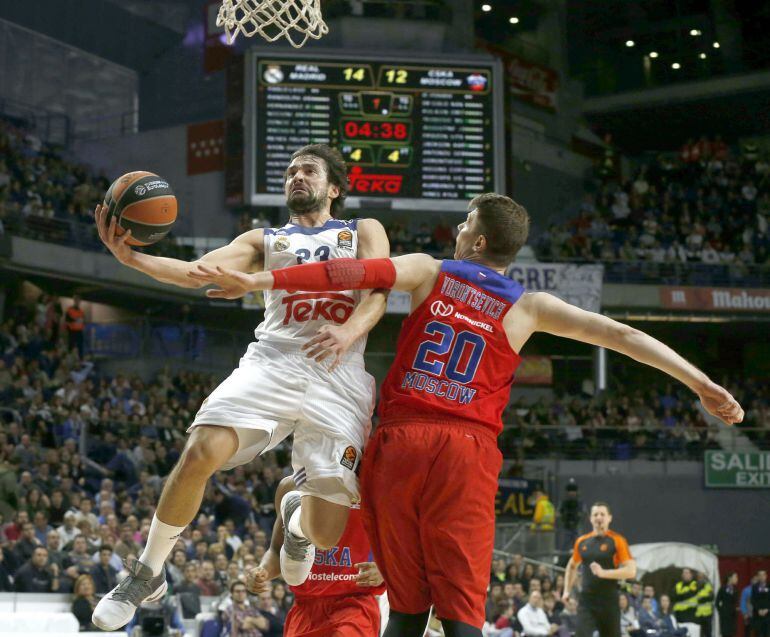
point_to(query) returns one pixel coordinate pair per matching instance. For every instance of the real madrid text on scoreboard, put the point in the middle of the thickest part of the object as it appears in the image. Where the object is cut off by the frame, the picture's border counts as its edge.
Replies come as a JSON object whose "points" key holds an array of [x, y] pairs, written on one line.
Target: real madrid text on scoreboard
{"points": [[415, 135]]}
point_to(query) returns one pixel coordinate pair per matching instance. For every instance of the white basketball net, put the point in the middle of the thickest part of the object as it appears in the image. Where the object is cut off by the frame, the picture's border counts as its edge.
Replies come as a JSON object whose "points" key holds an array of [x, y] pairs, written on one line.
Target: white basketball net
{"points": [[296, 20]]}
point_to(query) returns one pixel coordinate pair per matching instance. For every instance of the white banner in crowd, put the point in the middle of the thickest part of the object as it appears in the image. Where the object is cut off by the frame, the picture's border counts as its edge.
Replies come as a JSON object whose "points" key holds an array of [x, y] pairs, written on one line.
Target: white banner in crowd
{"points": [[580, 285], [399, 302]]}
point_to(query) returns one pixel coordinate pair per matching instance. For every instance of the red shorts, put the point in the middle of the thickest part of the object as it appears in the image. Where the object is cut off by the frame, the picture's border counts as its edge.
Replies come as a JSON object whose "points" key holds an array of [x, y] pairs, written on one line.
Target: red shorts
{"points": [[339, 616], [428, 501]]}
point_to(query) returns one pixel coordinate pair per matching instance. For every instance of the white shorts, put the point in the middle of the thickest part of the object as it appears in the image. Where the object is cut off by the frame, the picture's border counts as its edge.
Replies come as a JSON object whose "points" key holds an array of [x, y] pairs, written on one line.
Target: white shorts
{"points": [[274, 393]]}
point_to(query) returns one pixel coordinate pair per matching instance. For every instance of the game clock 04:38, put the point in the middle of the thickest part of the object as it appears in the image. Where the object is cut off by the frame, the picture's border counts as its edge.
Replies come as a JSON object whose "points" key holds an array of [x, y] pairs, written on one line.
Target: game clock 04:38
{"points": [[361, 129]]}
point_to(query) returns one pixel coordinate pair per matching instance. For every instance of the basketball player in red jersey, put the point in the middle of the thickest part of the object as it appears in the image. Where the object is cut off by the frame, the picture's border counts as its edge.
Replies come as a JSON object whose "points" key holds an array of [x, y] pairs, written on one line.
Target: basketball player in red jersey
{"points": [[429, 478], [338, 597]]}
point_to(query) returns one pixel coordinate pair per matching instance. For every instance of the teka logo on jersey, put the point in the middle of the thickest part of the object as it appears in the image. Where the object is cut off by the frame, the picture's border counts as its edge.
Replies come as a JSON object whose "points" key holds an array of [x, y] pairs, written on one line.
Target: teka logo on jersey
{"points": [[371, 184], [439, 308], [314, 306]]}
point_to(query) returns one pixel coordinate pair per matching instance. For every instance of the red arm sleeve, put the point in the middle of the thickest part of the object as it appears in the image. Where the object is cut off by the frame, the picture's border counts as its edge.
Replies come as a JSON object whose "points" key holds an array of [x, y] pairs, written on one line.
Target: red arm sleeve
{"points": [[337, 274]]}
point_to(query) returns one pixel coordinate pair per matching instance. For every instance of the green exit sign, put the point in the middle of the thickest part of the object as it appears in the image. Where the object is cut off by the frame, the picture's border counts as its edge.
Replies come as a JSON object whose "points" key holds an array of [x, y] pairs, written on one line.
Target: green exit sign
{"points": [[737, 470]]}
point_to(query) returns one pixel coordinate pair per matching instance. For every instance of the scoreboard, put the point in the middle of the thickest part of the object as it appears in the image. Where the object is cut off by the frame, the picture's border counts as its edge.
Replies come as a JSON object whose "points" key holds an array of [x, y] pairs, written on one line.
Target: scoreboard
{"points": [[415, 134]]}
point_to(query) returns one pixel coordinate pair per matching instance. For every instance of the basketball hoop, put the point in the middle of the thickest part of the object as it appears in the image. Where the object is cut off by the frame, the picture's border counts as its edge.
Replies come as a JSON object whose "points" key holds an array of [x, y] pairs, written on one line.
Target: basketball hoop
{"points": [[296, 20]]}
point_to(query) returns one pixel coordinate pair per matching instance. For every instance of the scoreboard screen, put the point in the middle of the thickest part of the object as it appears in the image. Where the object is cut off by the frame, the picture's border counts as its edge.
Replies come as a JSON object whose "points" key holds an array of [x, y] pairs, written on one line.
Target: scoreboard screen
{"points": [[415, 134]]}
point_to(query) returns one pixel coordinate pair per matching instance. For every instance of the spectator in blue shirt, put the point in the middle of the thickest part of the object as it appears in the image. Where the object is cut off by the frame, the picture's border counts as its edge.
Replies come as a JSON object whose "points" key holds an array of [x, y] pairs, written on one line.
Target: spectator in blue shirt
{"points": [[745, 605], [649, 593]]}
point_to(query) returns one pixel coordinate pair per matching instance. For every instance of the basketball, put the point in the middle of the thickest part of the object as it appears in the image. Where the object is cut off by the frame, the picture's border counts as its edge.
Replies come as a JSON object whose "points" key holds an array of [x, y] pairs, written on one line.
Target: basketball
{"points": [[144, 203]]}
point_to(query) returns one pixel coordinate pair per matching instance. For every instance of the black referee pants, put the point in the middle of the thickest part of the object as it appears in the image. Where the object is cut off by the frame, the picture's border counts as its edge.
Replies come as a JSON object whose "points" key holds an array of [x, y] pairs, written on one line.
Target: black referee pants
{"points": [[603, 616]]}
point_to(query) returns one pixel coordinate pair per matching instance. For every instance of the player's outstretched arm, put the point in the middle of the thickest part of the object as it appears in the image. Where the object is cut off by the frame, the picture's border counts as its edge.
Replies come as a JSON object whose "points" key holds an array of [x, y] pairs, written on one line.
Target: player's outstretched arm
{"points": [[409, 273], [240, 254], [554, 316]]}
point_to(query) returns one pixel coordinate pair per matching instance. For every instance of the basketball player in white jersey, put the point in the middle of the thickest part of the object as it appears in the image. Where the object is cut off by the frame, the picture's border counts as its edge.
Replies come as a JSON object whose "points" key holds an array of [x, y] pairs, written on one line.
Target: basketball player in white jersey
{"points": [[278, 389]]}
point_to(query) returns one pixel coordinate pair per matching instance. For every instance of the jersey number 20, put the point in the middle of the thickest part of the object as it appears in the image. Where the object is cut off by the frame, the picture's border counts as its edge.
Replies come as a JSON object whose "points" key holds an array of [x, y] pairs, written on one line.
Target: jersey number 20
{"points": [[455, 345]]}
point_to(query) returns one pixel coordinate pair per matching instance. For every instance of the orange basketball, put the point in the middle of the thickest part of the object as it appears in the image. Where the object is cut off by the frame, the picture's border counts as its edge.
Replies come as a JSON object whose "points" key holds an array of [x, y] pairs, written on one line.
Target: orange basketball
{"points": [[143, 203]]}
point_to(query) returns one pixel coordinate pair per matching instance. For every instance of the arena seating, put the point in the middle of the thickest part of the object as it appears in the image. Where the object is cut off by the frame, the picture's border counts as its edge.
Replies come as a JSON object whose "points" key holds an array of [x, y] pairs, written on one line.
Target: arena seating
{"points": [[57, 406], [47, 197], [700, 218], [662, 225], [696, 218]]}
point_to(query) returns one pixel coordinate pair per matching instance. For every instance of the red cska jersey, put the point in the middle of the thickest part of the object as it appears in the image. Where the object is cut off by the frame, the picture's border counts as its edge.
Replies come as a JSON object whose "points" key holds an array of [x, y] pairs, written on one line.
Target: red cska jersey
{"points": [[453, 359], [333, 572]]}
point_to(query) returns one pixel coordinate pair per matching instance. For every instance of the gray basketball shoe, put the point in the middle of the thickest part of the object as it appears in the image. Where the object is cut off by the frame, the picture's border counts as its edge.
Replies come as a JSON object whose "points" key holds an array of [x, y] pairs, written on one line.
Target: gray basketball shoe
{"points": [[118, 606], [297, 553]]}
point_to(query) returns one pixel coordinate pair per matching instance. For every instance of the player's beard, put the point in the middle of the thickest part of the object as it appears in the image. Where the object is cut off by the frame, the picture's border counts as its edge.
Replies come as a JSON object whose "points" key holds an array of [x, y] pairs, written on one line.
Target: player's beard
{"points": [[303, 202]]}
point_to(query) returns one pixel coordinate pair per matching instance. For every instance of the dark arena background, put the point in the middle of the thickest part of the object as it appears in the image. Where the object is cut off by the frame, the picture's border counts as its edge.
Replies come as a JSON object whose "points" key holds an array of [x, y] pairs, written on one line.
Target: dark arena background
{"points": [[635, 132]]}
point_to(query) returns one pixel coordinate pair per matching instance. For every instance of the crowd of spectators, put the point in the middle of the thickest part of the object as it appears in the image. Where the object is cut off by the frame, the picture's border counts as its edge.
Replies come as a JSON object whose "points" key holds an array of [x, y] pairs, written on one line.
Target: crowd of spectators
{"points": [[438, 240], [73, 507], [707, 205], [654, 423], [36, 180], [45, 196], [529, 599]]}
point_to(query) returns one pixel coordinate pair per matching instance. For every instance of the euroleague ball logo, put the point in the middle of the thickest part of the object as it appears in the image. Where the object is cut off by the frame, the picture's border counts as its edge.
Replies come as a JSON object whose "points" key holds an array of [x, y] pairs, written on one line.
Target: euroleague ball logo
{"points": [[439, 308], [345, 239], [140, 190], [349, 457]]}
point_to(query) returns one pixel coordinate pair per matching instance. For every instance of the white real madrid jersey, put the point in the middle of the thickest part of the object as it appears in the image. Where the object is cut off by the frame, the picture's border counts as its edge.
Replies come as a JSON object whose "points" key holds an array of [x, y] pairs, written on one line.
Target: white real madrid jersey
{"points": [[294, 317]]}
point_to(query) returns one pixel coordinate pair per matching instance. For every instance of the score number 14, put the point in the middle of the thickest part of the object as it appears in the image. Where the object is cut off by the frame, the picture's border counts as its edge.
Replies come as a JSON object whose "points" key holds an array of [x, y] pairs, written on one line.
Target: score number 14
{"points": [[355, 74]]}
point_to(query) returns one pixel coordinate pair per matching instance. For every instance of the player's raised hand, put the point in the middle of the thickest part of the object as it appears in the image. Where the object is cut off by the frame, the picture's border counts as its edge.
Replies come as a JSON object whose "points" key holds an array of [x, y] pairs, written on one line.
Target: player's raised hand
{"points": [[107, 233], [330, 340], [720, 403], [256, 580], [232, 283], [368, 574]]}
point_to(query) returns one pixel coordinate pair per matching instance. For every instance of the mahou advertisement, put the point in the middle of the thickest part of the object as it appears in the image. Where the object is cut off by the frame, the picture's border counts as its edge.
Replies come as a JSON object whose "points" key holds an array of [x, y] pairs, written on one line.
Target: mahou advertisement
{"points": [[715, 299]]}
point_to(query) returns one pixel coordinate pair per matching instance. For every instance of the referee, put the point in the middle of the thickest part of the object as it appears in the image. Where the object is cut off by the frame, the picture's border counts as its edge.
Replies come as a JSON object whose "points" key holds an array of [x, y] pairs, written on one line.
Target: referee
{"points": [[608, 560]]}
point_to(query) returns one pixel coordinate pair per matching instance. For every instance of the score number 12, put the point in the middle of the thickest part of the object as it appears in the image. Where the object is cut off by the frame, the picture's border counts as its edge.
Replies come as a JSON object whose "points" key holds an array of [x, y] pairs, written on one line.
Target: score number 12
{"points": [[396, 76]]}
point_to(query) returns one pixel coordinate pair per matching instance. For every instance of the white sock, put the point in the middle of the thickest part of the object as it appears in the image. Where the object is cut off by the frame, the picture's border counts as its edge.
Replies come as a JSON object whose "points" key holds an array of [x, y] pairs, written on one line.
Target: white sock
{"points": [[160, 540], [294, 525]]}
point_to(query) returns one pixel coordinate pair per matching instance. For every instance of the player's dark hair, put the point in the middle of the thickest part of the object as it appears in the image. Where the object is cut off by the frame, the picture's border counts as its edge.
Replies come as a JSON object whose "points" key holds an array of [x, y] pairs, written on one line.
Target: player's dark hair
{"points": [[336, 171], [602, 504], [504, 223]]}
